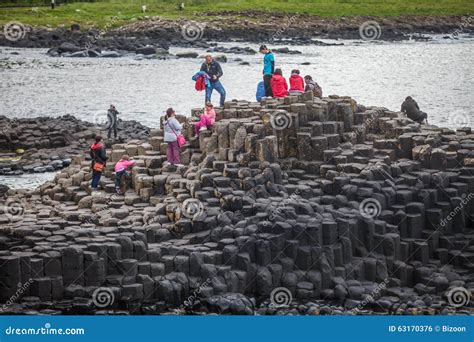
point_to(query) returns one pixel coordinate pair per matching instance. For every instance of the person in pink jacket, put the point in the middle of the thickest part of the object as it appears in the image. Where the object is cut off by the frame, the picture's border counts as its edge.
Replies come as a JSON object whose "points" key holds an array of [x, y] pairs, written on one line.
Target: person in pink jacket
{"points": [[121, 170], [207, 119]]}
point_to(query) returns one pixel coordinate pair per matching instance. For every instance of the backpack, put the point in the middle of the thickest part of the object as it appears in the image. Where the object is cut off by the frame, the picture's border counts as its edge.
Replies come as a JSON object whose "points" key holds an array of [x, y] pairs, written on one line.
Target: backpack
{"points": [[200, 84]]}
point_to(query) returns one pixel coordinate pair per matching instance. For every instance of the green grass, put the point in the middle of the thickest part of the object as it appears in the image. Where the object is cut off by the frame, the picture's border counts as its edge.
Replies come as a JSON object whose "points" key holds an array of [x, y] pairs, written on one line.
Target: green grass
{"points": [[113, 13]]}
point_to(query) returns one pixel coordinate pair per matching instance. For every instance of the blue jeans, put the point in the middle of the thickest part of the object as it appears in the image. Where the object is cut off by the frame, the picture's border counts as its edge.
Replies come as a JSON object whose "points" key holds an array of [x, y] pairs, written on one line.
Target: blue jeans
{"points": [[95, 179], [217, 85], [118, 178]]}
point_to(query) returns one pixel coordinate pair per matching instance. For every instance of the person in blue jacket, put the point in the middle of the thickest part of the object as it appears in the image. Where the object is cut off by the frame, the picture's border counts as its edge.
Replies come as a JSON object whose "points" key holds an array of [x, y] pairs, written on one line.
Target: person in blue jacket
{"points": [[268, 68], [260, 91]]}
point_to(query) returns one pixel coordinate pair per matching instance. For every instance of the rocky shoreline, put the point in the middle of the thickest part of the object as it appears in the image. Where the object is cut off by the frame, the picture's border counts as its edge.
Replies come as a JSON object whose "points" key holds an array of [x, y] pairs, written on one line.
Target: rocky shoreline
{"points": [[290, 206], [47, 144], [152, 37]]}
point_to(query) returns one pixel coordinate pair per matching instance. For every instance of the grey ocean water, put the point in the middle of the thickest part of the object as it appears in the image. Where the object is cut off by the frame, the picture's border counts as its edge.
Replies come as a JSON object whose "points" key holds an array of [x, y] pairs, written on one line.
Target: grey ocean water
{"points": [[438, 74]]}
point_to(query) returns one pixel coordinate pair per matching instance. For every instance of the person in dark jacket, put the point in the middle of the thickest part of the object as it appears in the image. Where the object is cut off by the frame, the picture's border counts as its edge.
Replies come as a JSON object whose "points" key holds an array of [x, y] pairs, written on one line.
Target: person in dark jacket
{"points": [[99, 158], [112, 121], [268, 69], [214, 70], [313, 86], [412, 110]]}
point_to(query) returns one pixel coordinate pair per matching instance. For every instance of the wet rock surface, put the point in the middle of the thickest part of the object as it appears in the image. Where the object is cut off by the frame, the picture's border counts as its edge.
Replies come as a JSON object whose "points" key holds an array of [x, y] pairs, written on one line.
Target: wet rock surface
{"points": [[49, 144], [294, 206]]}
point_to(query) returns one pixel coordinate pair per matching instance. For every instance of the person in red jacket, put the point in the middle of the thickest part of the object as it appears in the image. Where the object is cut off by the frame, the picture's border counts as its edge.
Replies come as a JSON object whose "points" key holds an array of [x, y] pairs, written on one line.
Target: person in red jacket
{"points": [[296, 83], [279, 85]]}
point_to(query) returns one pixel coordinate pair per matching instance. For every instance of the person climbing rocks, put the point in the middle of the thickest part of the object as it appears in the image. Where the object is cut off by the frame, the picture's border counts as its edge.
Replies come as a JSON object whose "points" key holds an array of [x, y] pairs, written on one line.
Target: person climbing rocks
{"points": [[412, 110], [214, 70], [112, 121], [99, 158], [268, 69], [296, 83], [313, 86], [207, 118], [279, 85], [260, 91], [172, 129], [121, 171]]}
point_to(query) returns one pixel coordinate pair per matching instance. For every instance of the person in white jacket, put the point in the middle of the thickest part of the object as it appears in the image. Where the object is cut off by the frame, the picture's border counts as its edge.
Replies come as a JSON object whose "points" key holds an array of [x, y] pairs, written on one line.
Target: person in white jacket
{"points": [[172, 129]]}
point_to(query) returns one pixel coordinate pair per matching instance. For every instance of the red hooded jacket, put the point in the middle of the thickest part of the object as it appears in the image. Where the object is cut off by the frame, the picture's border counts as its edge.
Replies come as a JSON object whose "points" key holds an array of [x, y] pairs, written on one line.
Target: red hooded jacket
{"points": [[296, 82], [97, 153], [279, 86]]}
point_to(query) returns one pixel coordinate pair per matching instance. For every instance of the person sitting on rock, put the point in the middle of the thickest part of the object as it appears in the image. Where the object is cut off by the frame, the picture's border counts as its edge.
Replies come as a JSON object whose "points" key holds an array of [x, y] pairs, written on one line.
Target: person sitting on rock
{"points": [[260, 91], [311, 85], [112, 121], [412, 110], [172, 129], [121, 171], [279, 85], [296, 83], [207, 119], [99, 158]]}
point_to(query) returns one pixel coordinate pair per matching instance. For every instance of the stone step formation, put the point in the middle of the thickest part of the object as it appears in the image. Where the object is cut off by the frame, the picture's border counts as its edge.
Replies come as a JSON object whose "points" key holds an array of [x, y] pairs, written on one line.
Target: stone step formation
{"points": [[339, 207], [49, 144]]}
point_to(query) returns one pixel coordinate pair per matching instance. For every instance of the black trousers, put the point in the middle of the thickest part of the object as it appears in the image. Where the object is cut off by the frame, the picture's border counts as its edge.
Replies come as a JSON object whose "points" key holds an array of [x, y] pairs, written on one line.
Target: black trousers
{"points": [[267, 85], [112, 128]]}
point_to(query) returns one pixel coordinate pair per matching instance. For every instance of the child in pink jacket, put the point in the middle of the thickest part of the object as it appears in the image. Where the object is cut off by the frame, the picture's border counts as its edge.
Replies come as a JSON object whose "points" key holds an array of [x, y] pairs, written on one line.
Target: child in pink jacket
{"points": [[207, 119], [121, 170]]}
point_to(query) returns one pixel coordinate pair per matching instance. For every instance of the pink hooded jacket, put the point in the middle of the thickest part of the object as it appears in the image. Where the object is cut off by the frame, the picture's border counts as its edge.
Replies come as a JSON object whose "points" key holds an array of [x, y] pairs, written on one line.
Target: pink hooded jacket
{"points": [[210, 116], [123, 164]]}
